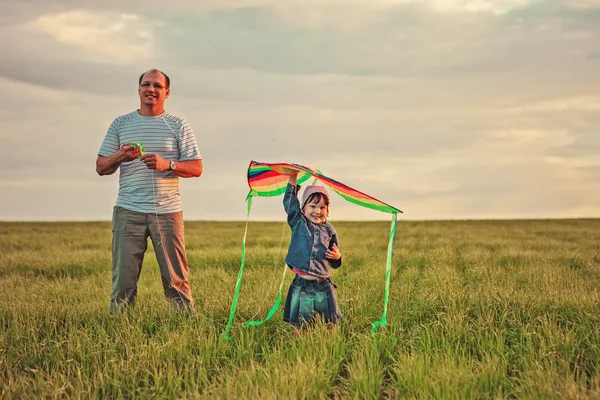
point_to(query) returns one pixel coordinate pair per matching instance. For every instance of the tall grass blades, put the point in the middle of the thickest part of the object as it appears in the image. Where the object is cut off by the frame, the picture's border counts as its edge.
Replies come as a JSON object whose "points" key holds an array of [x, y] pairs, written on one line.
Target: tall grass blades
{"points": [[478, 309]]}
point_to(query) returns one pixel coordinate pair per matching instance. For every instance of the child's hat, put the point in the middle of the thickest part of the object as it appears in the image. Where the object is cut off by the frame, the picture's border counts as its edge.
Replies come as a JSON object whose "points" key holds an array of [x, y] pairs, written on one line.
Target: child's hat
{"points": [[310, 190]]}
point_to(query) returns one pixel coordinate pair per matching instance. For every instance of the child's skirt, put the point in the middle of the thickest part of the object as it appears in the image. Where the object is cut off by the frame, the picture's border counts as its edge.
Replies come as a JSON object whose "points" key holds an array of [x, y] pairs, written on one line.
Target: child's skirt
{"points": [[308, 298]]}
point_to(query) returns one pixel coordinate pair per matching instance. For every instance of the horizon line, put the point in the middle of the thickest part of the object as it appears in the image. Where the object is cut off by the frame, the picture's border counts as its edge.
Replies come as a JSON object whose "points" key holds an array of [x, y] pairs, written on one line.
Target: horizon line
{"points": [[26, 221]]}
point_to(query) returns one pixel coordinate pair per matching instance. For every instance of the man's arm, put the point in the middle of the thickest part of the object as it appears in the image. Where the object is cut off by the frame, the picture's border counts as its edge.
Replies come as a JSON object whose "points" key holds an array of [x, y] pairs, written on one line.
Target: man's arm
{"points": [[108, 165], [183, 169], [188, 169]]}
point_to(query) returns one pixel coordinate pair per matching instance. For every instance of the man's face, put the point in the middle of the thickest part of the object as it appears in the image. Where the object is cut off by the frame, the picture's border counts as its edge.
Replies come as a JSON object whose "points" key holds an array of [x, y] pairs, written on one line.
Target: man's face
{"points": [[153, 90]]}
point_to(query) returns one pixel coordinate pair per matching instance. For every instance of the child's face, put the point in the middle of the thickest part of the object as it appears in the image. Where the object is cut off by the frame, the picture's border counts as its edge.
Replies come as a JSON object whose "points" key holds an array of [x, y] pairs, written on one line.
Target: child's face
{"points": [[316, 212]]}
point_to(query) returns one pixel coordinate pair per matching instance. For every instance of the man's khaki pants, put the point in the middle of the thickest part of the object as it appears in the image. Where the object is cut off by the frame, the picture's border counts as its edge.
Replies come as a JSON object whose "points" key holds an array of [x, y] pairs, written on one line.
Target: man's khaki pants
{"points": [[130, 241]]}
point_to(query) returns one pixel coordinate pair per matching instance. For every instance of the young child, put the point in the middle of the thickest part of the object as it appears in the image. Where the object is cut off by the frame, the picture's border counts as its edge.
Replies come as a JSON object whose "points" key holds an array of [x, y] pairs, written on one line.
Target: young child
{"points": [[313, 250]]}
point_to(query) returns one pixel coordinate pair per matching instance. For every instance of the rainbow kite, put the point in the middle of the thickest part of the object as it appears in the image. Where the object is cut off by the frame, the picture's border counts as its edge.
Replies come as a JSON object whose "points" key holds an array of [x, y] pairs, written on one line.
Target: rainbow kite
{"points": [[271, 179]]}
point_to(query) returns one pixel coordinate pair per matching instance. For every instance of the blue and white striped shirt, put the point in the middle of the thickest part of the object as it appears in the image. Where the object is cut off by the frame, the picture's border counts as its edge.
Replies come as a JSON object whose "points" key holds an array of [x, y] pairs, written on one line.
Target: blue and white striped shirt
{"points": [[140, 188]]}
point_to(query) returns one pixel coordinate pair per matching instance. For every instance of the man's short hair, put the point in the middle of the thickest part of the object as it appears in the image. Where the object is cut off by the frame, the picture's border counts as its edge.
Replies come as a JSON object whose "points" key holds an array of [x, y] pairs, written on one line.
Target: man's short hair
{"points": [[167, 79]]}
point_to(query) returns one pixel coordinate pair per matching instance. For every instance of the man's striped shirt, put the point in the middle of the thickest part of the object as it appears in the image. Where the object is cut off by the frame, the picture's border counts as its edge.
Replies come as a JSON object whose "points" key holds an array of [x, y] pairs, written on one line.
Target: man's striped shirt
{"points": [[140, 188]]}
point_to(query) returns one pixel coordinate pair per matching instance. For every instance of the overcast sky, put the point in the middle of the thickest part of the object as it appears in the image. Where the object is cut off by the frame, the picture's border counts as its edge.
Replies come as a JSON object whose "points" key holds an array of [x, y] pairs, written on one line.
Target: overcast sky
{"points": [[444, 109]]}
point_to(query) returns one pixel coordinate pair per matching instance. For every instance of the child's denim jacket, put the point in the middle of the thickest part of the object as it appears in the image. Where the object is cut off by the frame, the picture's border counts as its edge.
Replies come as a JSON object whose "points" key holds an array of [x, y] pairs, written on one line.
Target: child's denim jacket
{"points": [[309, 241]]}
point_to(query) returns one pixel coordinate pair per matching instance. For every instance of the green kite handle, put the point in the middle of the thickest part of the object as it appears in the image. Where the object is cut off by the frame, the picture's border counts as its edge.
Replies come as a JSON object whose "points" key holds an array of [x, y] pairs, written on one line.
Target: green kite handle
{"points": [[141, 146]]}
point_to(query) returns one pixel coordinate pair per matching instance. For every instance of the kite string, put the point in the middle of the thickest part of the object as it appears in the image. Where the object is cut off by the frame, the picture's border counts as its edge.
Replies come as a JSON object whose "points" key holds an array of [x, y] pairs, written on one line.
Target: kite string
{"points": [[162, 243], [141, 149], [158, 223], [274, 263], [225, 335], [280, 291]]}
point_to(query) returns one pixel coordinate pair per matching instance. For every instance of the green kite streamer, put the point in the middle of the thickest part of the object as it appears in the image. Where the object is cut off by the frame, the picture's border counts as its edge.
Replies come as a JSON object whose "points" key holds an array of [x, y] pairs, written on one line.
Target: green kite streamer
{"points": [[388, 271], [275, 306], [225, 335]]}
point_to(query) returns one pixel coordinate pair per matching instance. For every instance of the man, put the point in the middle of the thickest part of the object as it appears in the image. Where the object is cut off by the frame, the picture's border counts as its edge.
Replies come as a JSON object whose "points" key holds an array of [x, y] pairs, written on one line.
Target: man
{"points": [[149, 201]]}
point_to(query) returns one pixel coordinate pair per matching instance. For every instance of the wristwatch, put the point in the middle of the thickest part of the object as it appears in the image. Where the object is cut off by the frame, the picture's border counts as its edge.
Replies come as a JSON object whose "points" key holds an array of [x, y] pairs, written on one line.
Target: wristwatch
{"points": [[172, 166]]}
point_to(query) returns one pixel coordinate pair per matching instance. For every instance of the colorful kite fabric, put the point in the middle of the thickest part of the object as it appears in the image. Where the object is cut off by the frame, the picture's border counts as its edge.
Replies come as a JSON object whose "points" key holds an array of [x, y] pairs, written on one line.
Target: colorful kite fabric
{"points": [[271, 179], [265, 180]]}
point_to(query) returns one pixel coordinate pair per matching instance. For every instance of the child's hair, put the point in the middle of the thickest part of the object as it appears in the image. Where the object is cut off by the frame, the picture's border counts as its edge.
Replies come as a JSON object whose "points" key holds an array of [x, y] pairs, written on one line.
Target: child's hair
{"points": [[316, 198], [311, 191]]}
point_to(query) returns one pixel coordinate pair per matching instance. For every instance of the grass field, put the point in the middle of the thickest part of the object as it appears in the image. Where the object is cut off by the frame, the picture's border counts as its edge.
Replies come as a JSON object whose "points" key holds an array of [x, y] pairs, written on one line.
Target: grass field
{"points": [[478, 309]]}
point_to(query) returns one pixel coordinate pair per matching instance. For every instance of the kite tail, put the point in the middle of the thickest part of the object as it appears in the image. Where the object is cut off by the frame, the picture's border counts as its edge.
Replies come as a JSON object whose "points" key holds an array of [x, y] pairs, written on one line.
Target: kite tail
{"points": [[275, 306], [388, 270], [225, 335], [278, 300]]}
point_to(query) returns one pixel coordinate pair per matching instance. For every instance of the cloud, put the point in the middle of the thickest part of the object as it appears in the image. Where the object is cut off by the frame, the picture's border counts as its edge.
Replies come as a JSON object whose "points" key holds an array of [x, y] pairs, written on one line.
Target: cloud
{"points": [[492, 6], [583, 4], [404, 40], [571, 103], [104, 38]]}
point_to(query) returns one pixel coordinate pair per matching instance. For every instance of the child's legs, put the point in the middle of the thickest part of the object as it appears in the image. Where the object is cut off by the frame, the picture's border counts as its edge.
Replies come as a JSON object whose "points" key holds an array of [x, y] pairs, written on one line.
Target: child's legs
{"points": [[306, 299], [299, 303], [326, 303], [291, 310], [306, 308]]}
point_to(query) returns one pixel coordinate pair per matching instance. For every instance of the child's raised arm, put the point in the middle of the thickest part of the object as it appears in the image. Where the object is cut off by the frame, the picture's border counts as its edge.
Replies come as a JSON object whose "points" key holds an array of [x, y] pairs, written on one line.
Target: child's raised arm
{"points": [[290, 200], [293, 179]]}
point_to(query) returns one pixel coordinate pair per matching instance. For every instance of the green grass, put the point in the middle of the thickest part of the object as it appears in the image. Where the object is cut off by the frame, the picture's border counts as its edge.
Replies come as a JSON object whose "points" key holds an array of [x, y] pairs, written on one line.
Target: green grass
{"points": [[478, 309]]}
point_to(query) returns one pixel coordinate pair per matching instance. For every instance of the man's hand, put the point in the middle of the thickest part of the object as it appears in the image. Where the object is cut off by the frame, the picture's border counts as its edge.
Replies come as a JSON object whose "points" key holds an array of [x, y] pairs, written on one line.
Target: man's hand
{"points": [[334, 253], [108, 165], [127, 152], [155, 162]]}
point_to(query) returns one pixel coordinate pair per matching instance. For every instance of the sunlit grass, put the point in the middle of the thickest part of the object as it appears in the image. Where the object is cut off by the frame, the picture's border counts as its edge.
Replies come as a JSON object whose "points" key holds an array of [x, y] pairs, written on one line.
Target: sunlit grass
{"points": [[478, 309]]}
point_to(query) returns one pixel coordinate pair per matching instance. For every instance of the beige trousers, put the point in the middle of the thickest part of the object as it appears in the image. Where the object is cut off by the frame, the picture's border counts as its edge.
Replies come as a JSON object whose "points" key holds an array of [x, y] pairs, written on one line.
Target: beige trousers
{"points": [[130, 241]]}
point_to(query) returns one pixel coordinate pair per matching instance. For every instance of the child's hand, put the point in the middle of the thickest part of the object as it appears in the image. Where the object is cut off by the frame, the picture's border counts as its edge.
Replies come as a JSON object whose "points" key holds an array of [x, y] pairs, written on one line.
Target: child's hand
{"points": [[293, 178], [333, 253], [284, 170]]}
